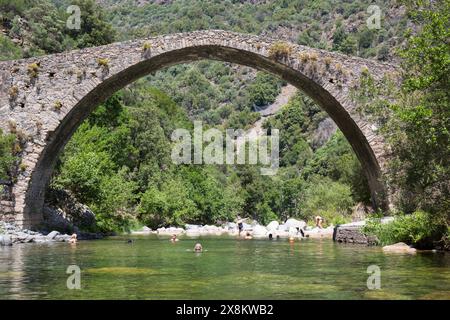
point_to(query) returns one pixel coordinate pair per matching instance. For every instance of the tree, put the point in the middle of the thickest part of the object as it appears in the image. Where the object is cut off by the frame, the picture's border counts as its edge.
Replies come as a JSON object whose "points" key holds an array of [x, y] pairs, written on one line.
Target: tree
{"points": [[419, 130], [6, 155], [95, 30]]}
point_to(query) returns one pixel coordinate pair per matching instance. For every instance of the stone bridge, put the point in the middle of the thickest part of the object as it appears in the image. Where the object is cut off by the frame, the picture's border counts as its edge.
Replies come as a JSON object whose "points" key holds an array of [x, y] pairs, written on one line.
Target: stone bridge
{"points": [[44, 99]]}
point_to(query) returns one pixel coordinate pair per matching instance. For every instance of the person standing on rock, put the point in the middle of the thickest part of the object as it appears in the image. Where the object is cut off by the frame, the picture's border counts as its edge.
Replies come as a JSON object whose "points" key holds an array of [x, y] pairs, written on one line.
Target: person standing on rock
{"points": [[319, 221], [240, 223]]}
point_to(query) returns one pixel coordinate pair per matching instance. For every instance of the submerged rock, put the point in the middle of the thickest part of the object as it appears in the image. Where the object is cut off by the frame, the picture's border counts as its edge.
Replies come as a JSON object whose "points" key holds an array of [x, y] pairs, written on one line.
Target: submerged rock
{"points": [[5, 240], [399, 247]]}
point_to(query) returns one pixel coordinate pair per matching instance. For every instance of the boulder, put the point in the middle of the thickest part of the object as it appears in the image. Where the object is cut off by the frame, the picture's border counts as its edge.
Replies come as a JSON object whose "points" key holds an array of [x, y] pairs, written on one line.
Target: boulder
{"points": [[231, 225], [62, 238], [193, 232], [399, 247], [259, 231], [247, 227], [52, 235], [273, 225], [293, 231], [192, 226], [5, 240], [294, 223]]}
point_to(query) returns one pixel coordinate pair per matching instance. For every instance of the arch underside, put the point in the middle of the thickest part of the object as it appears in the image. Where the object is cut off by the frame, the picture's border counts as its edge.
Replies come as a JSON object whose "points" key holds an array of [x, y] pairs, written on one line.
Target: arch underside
{"points": [[34, 199]]}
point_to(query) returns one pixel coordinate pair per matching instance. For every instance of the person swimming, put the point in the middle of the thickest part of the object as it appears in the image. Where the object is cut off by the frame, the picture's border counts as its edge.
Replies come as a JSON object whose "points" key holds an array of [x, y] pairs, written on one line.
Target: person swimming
{"points": [[198, 247], [248, 236], [174, 238], [73, 239]]}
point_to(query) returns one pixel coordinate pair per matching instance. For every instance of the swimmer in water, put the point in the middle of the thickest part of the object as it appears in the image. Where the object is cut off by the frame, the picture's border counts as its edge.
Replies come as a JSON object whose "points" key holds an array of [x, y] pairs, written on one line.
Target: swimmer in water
{"points": [[174, 238], [248, 236], [73, 239], [198, 247]]}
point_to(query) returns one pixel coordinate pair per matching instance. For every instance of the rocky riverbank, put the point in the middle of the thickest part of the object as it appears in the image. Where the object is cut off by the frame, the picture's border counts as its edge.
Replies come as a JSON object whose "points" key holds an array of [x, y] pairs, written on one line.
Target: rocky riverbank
{"points": [[11, 234], [291, 228]]}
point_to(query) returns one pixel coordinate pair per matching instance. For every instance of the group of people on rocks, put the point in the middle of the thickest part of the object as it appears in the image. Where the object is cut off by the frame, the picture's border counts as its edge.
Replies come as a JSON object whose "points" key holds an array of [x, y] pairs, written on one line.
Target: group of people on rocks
{"points": [[240, 222]]}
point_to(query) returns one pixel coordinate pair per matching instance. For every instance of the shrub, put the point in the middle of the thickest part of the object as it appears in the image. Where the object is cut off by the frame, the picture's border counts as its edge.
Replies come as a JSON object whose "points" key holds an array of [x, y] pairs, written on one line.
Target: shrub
{"points": [[103, 62], [328, 61], [147, 46], [6, 154], [313, 56], [280, 50], [13, 92], [23, 167], [420, 229], [58, 105], [304, 57], [33, 69]]}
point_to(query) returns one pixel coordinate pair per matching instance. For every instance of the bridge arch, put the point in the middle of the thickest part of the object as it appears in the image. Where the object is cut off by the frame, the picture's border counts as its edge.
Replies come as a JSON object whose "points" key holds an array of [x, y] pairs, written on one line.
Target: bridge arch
{"points": [[49, 97]]}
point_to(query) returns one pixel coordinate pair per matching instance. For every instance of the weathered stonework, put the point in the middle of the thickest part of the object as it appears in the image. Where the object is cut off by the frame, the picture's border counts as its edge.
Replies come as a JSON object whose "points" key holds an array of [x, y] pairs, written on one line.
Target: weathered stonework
{"points": [[48, 97], [350, 234]]}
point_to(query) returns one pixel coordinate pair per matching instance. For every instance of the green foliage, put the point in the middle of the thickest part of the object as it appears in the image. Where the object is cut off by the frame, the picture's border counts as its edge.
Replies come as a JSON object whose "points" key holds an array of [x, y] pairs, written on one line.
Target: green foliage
{"points": [[280, 50], [418, 128], [95, 30], [7, 157], [420, 229], [9, 50], [330, 199], [264, 89], [40, 27]]}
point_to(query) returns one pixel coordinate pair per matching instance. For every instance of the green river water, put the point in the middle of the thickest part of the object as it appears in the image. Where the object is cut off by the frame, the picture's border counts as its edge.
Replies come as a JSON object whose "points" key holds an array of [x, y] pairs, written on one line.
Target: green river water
{"points": [[154, 268]]}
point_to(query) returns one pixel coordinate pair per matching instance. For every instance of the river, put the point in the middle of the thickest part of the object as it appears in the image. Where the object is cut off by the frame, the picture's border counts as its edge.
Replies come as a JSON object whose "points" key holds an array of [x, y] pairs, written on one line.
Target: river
{"points": [[154, 268]]}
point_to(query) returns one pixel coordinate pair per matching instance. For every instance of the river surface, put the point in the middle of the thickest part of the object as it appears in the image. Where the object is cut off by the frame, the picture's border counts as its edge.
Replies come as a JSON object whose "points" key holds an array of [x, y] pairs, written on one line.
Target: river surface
{"points": [[154, 268]]}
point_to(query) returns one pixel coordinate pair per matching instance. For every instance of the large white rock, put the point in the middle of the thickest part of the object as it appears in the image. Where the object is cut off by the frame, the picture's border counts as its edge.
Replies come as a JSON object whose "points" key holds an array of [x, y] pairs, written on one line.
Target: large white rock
{"points": [[273, 225], [193, 232], [259, 231], [52, 235], [294, 223], [192, 226]]}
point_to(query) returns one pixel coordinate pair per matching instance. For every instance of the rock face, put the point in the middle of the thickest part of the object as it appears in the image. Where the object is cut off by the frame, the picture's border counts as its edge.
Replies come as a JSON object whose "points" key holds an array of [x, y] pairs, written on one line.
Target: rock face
{"points": [[399, 248], [352, 232], [49, 105], [64, 213]]}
